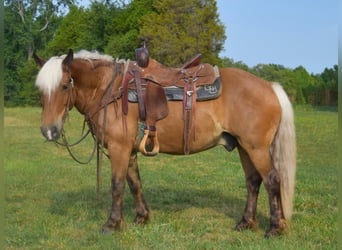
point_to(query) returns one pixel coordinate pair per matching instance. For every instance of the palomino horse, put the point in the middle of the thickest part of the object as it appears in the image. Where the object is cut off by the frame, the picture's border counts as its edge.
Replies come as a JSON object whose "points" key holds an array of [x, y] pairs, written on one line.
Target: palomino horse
{"points": [[257, 114]]}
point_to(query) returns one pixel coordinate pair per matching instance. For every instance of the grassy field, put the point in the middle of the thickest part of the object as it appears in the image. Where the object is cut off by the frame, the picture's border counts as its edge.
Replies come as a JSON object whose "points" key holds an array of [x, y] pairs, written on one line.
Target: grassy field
{"points": [[195, 200]]}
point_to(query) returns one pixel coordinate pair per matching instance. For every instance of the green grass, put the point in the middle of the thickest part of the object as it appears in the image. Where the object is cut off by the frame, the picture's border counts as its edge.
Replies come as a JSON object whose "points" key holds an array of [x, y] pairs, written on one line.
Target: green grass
{"points": [[195, 200]]}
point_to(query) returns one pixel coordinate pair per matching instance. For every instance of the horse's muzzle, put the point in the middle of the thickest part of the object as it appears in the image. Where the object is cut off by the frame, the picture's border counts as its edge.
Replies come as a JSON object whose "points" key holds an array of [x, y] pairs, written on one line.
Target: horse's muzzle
{"points": [[51, 133]]}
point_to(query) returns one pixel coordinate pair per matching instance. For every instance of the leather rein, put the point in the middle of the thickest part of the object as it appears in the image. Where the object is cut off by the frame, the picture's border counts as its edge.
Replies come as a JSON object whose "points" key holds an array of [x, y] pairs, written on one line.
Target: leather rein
{"points": [[107, 98]]}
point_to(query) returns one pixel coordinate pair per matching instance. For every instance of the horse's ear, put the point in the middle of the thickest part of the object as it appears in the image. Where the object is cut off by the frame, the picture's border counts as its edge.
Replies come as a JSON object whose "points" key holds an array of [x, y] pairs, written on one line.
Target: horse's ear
{"points": [[40, 61], [68, 59]]}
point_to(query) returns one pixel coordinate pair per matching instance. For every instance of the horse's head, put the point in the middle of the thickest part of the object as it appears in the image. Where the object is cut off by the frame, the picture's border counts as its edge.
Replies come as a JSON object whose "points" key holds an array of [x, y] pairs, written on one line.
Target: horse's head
{"points": [[57, 93]]}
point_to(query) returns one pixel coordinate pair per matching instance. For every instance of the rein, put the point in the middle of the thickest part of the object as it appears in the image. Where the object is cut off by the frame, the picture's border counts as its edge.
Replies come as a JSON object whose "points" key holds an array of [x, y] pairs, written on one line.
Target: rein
{"points": [[107, 98], [68, 146]]}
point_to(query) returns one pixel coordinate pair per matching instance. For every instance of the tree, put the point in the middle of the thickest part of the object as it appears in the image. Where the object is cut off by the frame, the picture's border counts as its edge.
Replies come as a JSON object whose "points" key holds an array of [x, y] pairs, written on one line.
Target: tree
{"points": [[330, 78], [28, 94], [34, 19], [69, 33], [29, 25], [330, 85], [85, 28], [230, 63], [283, 75], [177, 30], [14, 53], [302, 80], [123, 29]]}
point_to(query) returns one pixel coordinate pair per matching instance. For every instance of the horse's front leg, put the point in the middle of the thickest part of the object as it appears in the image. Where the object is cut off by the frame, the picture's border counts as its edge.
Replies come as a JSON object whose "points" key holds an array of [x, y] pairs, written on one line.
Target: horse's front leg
{"points": [[119, 160], [134, 183]]}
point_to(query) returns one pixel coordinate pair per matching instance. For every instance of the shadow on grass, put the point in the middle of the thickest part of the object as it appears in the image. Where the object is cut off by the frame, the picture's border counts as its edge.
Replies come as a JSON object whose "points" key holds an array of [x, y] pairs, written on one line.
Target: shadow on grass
{"points": [[85, 200], [167, 200]]}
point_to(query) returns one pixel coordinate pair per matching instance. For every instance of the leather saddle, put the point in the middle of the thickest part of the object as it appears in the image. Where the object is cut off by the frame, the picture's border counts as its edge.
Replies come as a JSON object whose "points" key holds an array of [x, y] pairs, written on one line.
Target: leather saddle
{"points": [[150, 82]]}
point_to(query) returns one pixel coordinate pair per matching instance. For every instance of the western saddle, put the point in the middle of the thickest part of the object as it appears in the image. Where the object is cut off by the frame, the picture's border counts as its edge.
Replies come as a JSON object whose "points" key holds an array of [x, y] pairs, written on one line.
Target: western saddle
{"points": [[149, 79]]}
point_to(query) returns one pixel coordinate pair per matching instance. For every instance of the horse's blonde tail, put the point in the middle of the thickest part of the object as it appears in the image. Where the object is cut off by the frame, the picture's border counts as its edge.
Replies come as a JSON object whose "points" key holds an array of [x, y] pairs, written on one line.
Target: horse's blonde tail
{"points": [[283, 151]]}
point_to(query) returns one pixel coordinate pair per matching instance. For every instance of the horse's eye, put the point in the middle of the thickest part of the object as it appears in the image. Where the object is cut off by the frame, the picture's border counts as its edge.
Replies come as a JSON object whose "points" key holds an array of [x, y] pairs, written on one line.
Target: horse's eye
{"points": [[65, 86]]}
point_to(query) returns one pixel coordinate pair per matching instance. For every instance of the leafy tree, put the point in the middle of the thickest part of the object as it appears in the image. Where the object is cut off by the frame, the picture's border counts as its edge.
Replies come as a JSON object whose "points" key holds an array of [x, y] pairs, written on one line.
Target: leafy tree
{"points": [[29, 25], [123, 30], [324, 91], [94, 35], [28, 94], [314, 94], [85, 28], [69, 32], [281, 74], [177, 30], [301, 80], [34, 19], [230, 63], [330, 78], [14, 55]]}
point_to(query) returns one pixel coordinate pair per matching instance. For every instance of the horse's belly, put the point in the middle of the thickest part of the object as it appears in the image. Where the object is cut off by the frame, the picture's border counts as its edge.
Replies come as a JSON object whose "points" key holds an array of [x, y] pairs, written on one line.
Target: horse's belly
{"points": [[205, 133]]}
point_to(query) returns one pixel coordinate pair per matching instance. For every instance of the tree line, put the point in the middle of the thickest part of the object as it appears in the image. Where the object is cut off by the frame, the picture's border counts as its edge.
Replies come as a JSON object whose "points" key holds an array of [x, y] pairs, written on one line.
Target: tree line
{"points": [[302, 87], [174, 30]]}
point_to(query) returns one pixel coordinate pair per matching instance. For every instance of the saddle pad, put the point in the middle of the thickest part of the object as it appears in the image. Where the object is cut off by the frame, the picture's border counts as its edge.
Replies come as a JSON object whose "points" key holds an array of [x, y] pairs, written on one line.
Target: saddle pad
{"points": [[203, 93]]}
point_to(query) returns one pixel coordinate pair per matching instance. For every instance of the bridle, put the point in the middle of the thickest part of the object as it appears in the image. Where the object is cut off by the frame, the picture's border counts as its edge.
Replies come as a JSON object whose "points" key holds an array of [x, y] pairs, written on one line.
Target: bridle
{"points": [[69, 105]]}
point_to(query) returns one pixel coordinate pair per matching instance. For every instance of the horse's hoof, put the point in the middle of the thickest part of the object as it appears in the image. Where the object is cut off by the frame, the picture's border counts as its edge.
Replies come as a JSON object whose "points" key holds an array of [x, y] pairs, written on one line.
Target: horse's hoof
{"points": [[110, 226], [106, 230], [243, 225], [274, 232], [279, 230], [141, 220]]}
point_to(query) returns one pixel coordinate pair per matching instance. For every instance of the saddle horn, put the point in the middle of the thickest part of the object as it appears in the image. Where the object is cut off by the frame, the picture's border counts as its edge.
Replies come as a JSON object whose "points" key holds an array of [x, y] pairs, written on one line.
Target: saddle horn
{"points": [[142, 56]]}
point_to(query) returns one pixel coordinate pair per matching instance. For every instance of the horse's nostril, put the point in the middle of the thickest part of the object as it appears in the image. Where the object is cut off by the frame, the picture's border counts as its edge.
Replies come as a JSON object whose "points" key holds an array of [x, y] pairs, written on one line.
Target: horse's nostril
{"points": [[51, 133], [55, 133]]}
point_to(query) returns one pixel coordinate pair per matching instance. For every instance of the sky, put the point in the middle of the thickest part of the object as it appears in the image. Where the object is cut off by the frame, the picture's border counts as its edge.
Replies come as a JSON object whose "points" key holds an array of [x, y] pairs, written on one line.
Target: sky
{"points": [[291, 33], [288, 32]]}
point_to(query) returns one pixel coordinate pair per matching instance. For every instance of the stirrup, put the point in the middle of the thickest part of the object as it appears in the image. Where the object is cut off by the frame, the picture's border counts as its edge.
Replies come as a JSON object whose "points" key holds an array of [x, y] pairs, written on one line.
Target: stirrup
{"points": [[153, 137]]}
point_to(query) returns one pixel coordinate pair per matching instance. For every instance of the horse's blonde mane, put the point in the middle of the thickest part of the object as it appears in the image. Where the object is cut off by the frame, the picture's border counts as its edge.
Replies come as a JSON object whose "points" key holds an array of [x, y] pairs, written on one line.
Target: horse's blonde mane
{"points": [[50, 74], [92, 55]]}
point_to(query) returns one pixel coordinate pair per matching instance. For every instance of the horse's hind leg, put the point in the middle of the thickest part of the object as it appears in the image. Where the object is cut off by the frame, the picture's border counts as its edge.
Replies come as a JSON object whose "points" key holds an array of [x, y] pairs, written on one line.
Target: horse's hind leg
{"points": [[261, 159], [278, 223], [253, 181], [134, 183]]}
